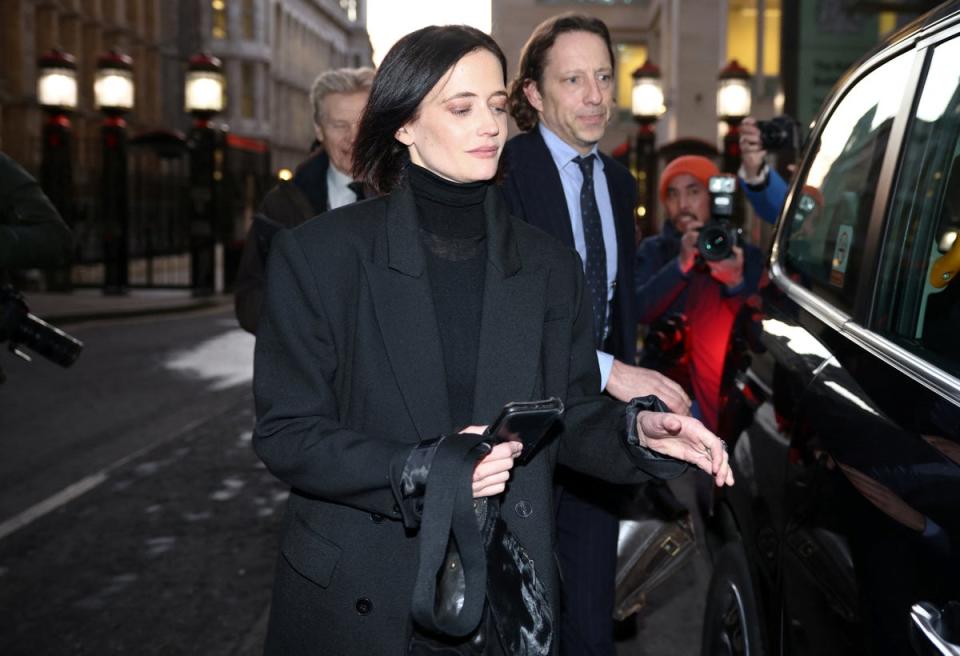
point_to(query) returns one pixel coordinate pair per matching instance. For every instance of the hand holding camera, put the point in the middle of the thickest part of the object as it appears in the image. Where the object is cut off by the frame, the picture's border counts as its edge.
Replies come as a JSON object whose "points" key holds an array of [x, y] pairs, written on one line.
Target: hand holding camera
{"points": [[758, 137], [752, 153], [23, 329]]}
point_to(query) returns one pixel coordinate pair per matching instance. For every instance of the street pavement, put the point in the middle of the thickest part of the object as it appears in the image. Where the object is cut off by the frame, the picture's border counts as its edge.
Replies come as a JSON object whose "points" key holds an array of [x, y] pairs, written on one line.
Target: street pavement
{"points": [[134, 515], [172, 554]]}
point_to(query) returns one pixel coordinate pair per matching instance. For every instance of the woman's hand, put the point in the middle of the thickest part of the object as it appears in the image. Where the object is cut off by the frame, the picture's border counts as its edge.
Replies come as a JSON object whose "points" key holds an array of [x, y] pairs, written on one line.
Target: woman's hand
{"points": [[492, 472], [687, 439]]}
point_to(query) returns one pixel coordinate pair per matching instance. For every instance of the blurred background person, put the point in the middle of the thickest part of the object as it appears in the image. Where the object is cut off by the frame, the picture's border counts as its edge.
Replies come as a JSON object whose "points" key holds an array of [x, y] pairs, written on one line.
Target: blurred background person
{"points": [[673, 281], [32, 233], [322, 182]]}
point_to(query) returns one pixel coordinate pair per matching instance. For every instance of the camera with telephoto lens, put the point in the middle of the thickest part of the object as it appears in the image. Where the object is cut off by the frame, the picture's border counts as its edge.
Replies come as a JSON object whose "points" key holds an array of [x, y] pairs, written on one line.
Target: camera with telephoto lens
{"points": [[23, 329], [779, 133], [719, 235]]}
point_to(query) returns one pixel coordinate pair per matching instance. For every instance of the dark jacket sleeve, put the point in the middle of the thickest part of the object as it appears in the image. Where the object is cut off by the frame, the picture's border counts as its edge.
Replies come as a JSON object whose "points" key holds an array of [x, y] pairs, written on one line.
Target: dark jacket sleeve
{"points": [[298, 434], [594, 440], [658, 282], [32, 233], [248, 289], [283, 206]]}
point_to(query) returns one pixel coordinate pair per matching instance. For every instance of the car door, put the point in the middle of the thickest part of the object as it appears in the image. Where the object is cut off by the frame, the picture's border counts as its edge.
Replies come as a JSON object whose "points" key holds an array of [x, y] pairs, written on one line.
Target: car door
{"points": [[872, 493], [802, 575]]}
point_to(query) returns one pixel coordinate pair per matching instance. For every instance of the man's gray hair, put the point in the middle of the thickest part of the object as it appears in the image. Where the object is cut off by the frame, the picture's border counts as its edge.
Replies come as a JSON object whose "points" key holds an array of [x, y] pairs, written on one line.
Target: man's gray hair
{"points": [[338, 80]]}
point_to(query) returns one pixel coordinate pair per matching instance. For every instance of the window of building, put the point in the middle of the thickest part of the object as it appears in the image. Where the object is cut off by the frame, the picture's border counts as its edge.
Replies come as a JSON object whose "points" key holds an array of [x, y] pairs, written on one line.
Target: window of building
{"points": [[248, 20], [218, 28], [743, 37], [630, 57], [823, 243], [248, 92], [918, 304], [349, 6]]}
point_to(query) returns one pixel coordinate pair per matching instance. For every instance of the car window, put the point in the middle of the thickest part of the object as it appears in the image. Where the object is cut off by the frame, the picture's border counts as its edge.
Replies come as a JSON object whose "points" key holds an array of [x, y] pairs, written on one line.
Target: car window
{"points": [[918, 303], [823, 242]]}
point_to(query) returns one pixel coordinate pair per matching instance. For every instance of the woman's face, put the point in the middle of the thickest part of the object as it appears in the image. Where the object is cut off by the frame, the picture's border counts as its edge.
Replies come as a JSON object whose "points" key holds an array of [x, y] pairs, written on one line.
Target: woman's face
{"points": [[461, 124]]}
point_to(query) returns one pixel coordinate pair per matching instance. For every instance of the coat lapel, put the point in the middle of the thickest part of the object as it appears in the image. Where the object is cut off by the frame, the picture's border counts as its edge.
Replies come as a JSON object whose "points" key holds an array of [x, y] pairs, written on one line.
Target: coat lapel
{"points": [[511, 327], [404, 307]]}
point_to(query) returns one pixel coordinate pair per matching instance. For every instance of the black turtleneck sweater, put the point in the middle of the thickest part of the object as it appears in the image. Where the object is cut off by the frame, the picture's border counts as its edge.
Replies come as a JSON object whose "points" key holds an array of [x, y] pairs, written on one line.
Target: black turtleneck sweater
{"points": [[453, 234]]}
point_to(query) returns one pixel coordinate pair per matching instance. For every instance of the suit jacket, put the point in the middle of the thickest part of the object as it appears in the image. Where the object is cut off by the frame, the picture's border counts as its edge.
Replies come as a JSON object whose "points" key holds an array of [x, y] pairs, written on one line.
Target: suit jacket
{"points": [[533, 192], [286, 205], [349, 378]]}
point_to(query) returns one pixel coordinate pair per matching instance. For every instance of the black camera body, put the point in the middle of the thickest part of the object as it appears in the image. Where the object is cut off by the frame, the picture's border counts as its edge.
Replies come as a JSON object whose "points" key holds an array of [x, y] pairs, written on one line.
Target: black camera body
{"points": [[779, 133], [666, 341], [21, 328], [719, 235]]}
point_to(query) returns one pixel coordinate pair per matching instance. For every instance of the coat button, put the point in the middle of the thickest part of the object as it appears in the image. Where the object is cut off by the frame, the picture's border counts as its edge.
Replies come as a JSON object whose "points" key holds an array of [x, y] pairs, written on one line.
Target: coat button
{"points": [[523, 508], [364, 606], [376, 517]]}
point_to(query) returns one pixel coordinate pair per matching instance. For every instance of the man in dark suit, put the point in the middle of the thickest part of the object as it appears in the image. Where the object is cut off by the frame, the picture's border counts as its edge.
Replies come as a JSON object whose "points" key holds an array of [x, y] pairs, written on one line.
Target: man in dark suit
{"points": [[556, 179], [322, 182]]}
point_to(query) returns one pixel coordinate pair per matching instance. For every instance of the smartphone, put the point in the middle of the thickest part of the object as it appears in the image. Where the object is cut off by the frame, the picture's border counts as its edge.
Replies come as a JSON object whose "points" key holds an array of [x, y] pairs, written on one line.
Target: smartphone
{"points": [[527, 421]]}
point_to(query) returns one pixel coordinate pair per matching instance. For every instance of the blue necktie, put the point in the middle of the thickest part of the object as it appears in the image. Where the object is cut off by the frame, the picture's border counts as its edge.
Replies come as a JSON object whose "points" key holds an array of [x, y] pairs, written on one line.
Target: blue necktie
{"points": [[595, 267]]}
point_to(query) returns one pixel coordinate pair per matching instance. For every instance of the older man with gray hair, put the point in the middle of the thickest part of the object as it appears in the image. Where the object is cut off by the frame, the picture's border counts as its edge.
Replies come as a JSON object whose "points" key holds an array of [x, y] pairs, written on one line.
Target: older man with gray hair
{"points": [[322, 182]]}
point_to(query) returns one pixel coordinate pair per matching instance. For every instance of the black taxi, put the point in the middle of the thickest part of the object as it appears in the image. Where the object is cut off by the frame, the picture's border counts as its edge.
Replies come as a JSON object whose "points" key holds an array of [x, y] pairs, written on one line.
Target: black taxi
{"points": [[842, 534]]}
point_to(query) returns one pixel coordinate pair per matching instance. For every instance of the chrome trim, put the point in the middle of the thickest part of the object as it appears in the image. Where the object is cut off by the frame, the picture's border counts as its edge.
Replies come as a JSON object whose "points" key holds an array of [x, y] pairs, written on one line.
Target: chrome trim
{"points": [[809, 301], [744, 630], [922, 620], [934, 34], [928, 375]]}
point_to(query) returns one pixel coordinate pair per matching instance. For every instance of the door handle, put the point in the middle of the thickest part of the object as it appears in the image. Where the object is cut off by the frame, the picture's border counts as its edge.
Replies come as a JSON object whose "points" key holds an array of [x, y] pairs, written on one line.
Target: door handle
{"points": [[927, 629]]}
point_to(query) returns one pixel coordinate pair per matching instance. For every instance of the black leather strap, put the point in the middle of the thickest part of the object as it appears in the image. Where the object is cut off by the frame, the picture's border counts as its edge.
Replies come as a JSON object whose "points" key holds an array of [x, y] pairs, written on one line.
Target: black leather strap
{"points": [[448, 514]]}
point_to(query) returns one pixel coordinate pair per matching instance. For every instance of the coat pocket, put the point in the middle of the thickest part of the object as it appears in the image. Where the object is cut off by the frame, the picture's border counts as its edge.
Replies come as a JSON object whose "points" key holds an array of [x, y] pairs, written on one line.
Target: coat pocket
{"points": [[556, 312], [308, 552]]}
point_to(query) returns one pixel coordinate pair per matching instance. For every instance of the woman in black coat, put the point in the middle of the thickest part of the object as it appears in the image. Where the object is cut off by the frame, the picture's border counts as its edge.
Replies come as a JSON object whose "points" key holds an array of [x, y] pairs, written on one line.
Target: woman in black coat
{"points": [[394, 322]]}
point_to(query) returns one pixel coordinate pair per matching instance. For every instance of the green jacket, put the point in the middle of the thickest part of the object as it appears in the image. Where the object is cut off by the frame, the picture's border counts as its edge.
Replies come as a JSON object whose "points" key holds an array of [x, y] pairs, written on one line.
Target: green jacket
{"points": [[32, 233]]}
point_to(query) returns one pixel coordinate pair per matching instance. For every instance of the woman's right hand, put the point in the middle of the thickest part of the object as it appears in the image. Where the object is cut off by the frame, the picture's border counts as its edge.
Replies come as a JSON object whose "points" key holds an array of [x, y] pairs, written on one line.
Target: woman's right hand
{"points": [[492, 472]]}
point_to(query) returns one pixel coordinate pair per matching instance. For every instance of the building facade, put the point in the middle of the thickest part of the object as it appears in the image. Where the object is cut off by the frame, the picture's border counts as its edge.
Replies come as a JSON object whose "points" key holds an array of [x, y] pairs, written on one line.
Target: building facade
{"points": [[143, 29], [271, 51]]}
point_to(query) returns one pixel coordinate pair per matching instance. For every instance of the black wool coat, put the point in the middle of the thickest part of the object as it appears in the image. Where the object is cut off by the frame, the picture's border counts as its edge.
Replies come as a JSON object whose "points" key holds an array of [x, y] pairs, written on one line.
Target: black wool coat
{"points": [[349, 377]]}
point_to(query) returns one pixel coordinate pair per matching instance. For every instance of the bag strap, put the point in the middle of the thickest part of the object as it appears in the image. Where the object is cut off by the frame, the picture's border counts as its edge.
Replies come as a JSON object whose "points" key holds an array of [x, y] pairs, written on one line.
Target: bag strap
{"points": [[448, 515]]}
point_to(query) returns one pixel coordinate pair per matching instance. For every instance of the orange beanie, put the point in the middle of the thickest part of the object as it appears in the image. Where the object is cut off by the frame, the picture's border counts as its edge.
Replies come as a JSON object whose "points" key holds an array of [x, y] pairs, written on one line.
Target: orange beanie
{"points": [[699, 167]]}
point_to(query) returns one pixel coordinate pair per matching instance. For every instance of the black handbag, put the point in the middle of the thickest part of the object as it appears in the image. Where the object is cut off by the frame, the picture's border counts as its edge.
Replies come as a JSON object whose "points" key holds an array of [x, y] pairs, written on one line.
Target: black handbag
{"points": [[476, 590]]}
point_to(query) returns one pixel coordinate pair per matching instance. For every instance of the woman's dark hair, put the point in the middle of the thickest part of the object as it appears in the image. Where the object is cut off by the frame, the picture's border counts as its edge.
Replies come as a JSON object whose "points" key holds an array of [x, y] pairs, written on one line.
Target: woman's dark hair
{"points": [[410, 70], [533, 59]]}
